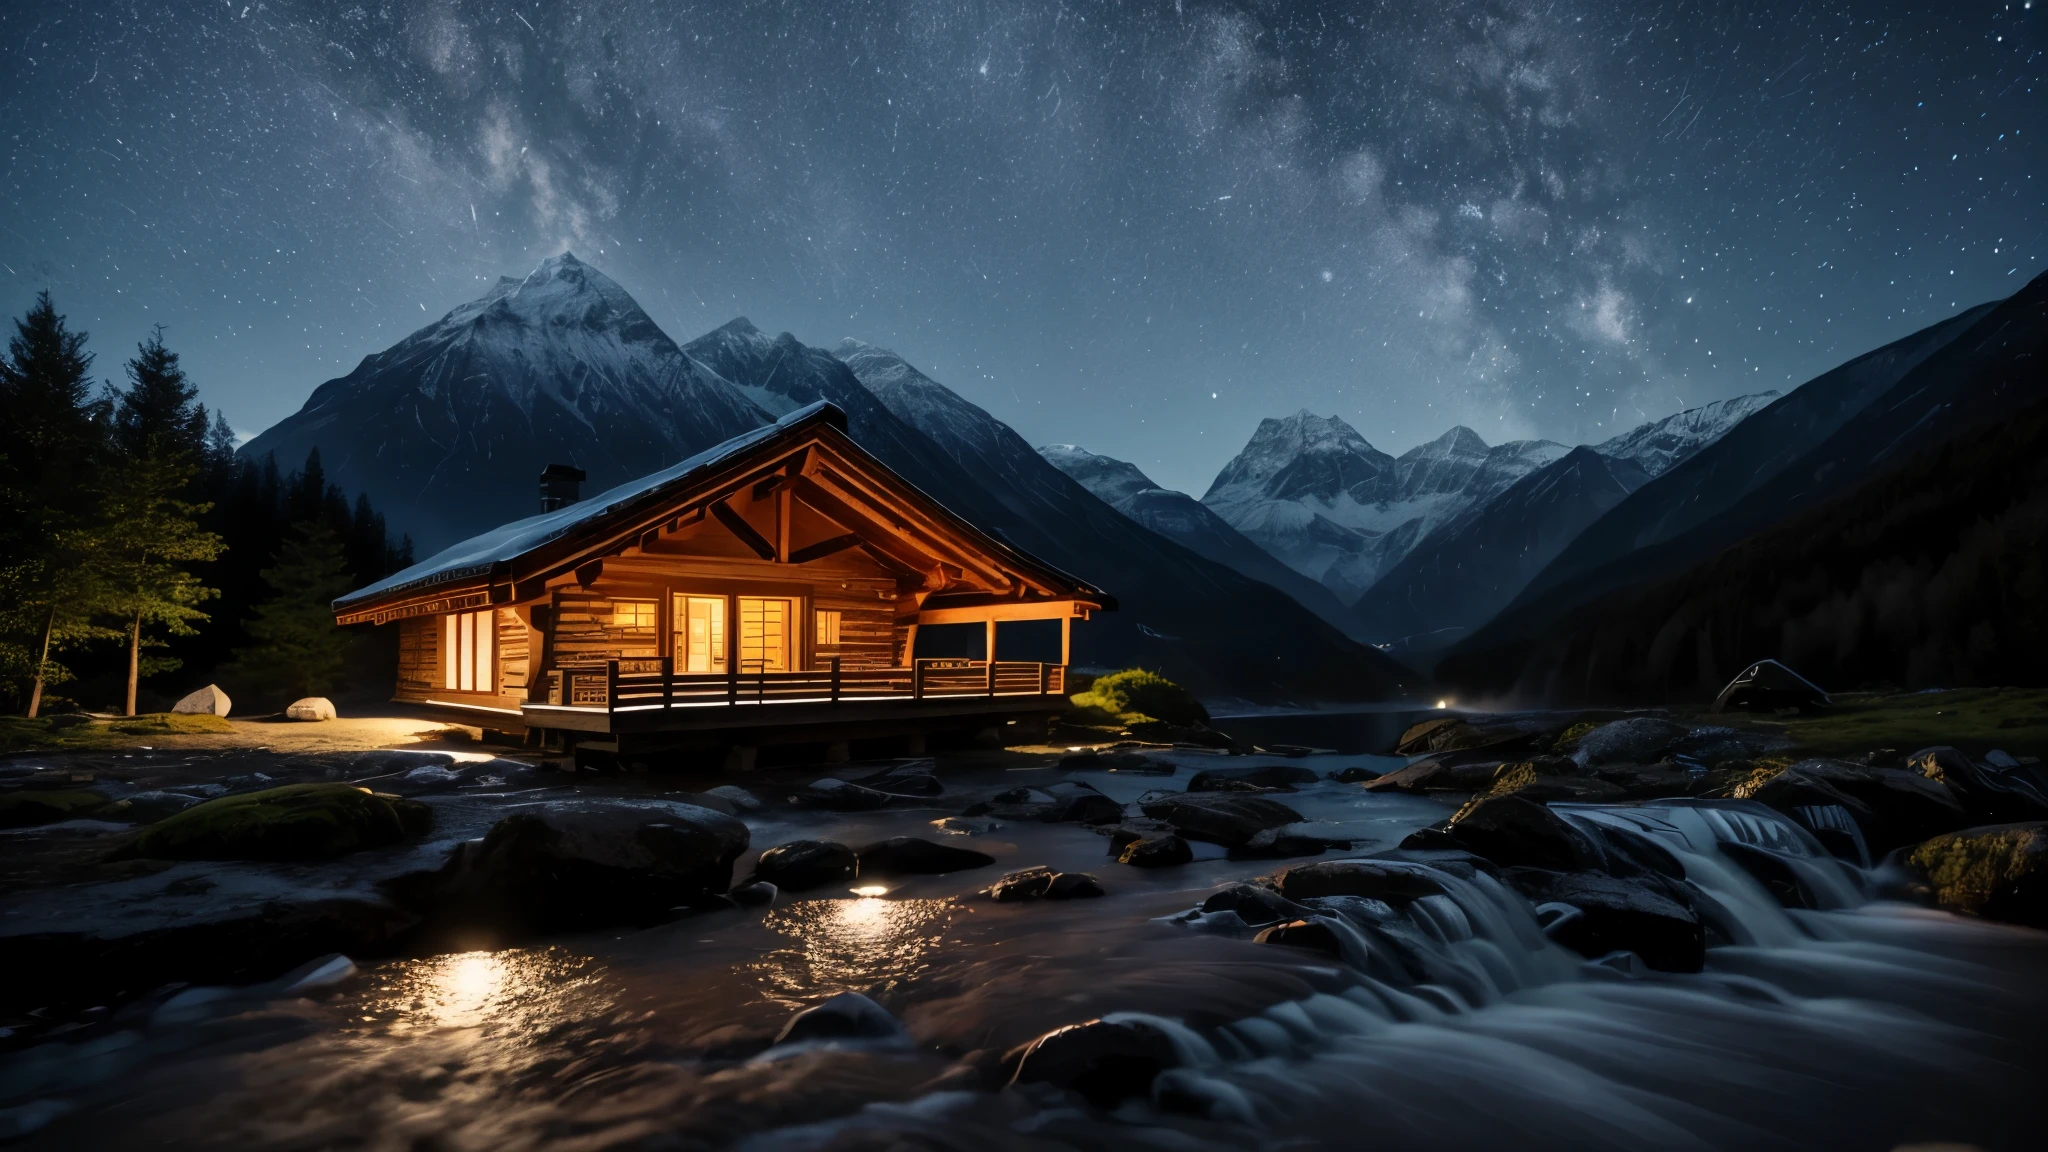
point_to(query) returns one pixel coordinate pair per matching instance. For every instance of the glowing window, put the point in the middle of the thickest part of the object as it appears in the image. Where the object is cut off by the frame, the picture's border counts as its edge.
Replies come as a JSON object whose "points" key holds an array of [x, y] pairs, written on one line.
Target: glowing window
{"points": [[469, 652], [633, 613], [828, 628]]}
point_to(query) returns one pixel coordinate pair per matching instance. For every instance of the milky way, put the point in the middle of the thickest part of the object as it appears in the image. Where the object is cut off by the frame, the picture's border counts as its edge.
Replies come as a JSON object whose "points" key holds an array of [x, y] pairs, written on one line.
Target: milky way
{"points": [[1136, 226]]}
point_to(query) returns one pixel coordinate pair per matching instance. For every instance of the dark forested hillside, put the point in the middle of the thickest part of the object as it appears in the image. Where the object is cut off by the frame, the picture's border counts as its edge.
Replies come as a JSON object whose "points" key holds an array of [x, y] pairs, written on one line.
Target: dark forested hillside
{"points": [[1935, 574]]}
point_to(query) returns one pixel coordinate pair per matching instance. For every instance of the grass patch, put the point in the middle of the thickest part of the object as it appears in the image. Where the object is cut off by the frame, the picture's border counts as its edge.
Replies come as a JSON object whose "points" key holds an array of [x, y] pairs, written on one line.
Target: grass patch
{"points": [[1975, 720], [22, 734], [1135, 695]]}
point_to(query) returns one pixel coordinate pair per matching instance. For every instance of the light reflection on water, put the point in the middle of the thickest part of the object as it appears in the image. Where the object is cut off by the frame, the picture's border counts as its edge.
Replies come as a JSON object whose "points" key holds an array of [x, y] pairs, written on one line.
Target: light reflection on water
{"points": [[514, 993], [863, 944]]}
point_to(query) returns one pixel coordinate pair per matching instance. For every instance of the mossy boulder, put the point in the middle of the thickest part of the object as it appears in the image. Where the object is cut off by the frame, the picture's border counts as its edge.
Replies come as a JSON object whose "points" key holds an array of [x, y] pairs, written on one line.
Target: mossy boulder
{"points": [[1999, 872], [1136, 694], [295, 822], [26, 809]]}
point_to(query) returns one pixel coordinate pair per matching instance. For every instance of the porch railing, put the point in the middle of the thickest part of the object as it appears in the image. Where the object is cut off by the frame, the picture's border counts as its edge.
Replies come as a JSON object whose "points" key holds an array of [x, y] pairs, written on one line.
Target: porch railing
{"points": [[652, 683]]}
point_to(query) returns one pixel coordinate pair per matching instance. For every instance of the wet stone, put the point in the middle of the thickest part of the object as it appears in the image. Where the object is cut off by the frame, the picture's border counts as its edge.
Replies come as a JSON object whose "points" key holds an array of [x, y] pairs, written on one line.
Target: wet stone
{"points": [[1392, 880], [1106, 1062], [910, 856], [1220, 817], [841, 796], [1650, 916], [1312, 935], [1042, 883], [801, 865], [580, 864], [1287, 841], [1270, 776], [1156, 852], [1510, 830], [1253, 904], [847, 1016]]}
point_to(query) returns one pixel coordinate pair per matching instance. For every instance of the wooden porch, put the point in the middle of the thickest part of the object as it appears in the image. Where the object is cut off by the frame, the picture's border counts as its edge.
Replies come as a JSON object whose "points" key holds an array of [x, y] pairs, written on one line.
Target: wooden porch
{"points": [[649, 696]]}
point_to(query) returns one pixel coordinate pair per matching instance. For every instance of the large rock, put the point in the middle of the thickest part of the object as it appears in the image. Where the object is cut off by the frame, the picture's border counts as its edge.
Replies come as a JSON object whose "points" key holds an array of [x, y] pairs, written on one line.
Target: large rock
{"points": [[841, 796], [1280, 776], [801, 865], [310, 708], [913, 779], [208, 701], [1396, 881], [1999, 873], [1223, 818], [1155, 852], [578, 864], [1989, 793], [1314, 934], [911, 856], [1768, 686], [1512, 831], [1894, 808], [295, 822], [1105, 1061], [1253, 904], [1636, 740], [1437, 774], [1648, 915], [1291, 840], [1042, 883], [847, 1016]]}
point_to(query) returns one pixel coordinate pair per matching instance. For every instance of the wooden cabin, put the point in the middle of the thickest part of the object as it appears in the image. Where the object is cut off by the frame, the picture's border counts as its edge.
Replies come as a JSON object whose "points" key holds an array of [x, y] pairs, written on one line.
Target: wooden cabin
{"points": [[768, 590]]}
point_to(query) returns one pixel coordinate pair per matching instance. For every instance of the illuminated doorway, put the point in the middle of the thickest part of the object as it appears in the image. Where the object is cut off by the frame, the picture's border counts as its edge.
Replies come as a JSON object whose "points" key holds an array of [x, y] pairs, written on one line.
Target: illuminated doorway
{"points": [[700, 633], [766, 643]]}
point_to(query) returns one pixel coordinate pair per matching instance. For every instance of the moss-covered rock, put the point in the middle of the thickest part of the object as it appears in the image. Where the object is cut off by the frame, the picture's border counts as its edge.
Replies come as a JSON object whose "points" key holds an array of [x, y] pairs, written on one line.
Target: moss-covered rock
{"points": [[295, 822], [1999, 872], [1146, 694], [25, 809]]}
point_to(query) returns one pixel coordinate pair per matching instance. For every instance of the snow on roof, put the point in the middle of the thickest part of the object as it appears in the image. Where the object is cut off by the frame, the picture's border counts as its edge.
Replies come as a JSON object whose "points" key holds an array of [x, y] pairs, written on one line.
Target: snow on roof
{"points": [[476, 555]]}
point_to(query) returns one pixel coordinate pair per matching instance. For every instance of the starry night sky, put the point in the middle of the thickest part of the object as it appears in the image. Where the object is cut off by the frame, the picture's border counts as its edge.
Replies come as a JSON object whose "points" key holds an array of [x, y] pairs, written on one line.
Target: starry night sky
{"points": [[1137, 226]]}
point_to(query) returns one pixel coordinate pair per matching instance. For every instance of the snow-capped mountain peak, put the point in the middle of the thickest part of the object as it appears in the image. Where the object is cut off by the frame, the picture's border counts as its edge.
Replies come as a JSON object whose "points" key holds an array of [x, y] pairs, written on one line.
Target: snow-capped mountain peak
{"points": [[1112, 479], [1658, 445]]}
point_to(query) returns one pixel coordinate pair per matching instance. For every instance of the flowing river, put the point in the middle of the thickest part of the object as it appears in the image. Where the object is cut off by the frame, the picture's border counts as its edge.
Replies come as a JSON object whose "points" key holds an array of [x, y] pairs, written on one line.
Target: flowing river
{"points": [[1449, 1021]]}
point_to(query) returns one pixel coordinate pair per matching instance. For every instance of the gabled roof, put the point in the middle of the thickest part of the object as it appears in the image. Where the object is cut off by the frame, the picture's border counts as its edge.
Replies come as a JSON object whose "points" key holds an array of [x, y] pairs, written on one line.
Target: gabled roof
{"points": [[567, 535]]}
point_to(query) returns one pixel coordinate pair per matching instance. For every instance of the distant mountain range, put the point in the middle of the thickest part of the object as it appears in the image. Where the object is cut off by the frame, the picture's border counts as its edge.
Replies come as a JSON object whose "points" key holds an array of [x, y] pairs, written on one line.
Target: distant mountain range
{"points": [[1409, 552], [447, 431], [1311, 490], [1183, 519], [1883, 525]]}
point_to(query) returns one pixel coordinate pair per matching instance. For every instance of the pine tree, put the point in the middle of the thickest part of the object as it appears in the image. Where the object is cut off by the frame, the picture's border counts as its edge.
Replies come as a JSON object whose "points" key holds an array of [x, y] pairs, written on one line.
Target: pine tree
{"points": [[295, 646], [50, 446], [150, 529], [158, 414]]}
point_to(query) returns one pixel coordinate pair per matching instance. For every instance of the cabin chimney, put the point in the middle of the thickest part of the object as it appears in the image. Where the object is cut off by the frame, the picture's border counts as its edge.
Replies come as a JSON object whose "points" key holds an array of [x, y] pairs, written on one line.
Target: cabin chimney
{"points": [[559, 485]]}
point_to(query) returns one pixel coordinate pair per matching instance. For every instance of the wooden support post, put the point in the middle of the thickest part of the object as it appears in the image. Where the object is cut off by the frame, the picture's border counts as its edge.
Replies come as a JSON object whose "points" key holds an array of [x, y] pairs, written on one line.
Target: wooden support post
{"points": [[1044, 679], [782, 510], [989, 645], [1066, 641], [916, 680], [732, 684], [611, 685], [835, 679], [668, 681], [910, 645]]}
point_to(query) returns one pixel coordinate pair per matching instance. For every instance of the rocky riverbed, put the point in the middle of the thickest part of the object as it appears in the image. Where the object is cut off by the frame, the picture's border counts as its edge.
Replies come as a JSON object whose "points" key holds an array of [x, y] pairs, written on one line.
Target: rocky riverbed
{"points": [[1548, 931]]}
